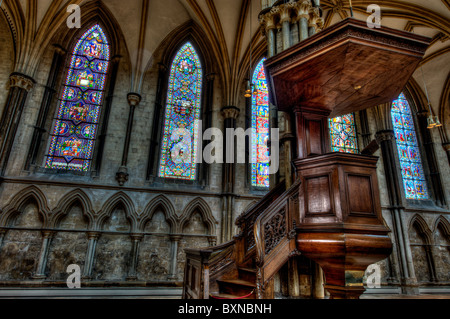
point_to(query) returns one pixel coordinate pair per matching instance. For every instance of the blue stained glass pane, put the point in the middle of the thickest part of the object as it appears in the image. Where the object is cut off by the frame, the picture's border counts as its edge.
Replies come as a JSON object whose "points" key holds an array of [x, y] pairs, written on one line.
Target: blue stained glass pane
{"points": [[76, 124], [260, 126], [179, 146], [408, 151]]}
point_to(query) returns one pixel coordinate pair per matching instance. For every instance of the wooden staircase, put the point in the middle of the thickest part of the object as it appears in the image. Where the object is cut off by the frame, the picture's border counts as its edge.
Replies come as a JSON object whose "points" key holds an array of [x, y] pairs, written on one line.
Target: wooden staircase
{"points": [[244, 267]]}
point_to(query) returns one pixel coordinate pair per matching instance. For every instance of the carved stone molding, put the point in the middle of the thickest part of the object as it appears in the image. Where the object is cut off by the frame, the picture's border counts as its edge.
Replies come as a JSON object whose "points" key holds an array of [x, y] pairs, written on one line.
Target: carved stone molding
{"points": [[230, 112], [22, 81], [122, 175], [134, 99], [385, 136]]}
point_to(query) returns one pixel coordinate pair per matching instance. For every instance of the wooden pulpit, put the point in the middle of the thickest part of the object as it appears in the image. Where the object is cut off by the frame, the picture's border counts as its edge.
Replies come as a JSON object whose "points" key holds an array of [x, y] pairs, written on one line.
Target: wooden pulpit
{"points": [[345, 68]]}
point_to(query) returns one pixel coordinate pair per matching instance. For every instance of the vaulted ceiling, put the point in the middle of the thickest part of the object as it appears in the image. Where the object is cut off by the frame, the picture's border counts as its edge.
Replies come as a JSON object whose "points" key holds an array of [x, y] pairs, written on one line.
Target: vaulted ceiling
{"points": [[230, 26]]}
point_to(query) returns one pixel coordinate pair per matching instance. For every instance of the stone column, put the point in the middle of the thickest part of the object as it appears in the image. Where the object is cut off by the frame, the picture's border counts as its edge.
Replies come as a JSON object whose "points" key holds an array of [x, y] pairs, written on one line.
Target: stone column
{"points": [[90, 254], [43, 256], [122, 175], [230, 114], [115, 61], [430, 261], [386, 139], [446, 147], [20, 86], [158, 116], [303, 14], [269, 28], [314, 22], [2, 236], [286, 28], [136, 242], [49, 93], [304, 31], [174, 243]]}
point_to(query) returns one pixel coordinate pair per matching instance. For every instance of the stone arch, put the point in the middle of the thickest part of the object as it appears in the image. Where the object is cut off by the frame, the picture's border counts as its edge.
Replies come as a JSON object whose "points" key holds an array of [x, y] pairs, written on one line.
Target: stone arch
{"points": [[20, 200], [116, 222], [421, 241], [444, 224], [25, 218], [421, 225], [118, 200], [441, 248], [72, 198], [189, 31], [199, 205], [163, 203]]}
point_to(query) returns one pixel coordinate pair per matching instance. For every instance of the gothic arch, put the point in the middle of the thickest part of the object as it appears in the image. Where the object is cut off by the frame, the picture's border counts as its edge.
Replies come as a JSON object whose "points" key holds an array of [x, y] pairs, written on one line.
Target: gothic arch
{"points": [[165, 56], [199, 204], [422, 227], [76, 196], [167, 208], [442, 222], [118, 199], [192, 32], [21, 199], [444, 110], [94, 12]]}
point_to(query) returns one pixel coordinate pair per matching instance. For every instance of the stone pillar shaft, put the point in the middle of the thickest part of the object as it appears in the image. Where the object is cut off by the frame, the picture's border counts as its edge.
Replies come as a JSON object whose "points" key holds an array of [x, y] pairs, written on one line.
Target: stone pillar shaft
{"points": [[271, 42], [43, 256], [386, 140], [49, 93], [174, 240], [90, 255], [304, 32], [20, 86], [122, 175], [136, 242], [230, 114]]}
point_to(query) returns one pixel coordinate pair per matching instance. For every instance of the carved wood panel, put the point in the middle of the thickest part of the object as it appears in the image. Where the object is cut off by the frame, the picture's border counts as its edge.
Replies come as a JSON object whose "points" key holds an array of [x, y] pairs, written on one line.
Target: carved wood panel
{"points": [[361, 205], [274, 231]]}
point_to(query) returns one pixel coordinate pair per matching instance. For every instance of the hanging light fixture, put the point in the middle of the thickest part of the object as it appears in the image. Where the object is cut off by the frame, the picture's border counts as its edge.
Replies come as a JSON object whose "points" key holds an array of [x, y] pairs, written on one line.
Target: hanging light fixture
{"points": [[433, 121]]}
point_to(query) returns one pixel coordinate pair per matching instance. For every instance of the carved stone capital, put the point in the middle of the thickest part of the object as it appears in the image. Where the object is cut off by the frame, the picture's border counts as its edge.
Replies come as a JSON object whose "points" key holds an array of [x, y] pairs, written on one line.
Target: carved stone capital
{"points": [[59, 49], [446, 147], [122, 175], [162, 67], [93, 235], [137, 236], [46, 234], [176, 238], [383, 136], [134, 99], [230, 112], [22, 81]]}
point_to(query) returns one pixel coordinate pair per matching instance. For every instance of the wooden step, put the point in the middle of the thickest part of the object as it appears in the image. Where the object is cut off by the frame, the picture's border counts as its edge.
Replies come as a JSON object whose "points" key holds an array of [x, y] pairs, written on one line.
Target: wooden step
{"points": [[247, 274], [232, 297], [236, 287]]}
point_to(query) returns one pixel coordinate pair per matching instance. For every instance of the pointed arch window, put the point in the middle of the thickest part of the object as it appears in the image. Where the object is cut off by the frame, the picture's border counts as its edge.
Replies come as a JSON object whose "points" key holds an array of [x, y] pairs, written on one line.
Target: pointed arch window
{"points": [[413, 175], [260, 128], [343, 134], [75, 129], [183, 109]]}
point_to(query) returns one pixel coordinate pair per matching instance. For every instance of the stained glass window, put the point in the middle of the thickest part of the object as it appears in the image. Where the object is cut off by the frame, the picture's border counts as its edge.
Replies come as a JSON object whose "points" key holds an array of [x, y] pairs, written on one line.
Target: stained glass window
{"points": [[408, 150], [260, 127], [77, 118], [343, 134], [179, 148]]}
